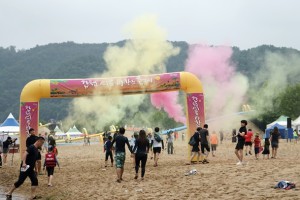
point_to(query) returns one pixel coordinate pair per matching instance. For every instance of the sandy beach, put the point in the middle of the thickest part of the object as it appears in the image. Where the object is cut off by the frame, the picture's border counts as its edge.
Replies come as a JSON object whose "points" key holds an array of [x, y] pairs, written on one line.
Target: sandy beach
{"points": [[83, 176]]}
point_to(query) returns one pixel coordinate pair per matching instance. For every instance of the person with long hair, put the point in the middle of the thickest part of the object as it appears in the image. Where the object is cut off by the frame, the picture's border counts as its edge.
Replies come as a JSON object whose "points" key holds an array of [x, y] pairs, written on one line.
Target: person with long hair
{"points": [[274, 141], [141, 150]]}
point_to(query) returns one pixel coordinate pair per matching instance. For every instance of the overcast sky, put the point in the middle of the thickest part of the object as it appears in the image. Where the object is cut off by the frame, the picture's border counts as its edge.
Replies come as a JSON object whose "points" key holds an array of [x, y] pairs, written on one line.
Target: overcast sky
{"points": [[242, 23]]}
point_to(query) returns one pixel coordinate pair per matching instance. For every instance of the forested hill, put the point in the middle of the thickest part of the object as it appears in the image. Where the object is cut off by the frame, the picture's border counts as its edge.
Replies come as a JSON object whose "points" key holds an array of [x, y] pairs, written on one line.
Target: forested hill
{"points": [[71, 60]]}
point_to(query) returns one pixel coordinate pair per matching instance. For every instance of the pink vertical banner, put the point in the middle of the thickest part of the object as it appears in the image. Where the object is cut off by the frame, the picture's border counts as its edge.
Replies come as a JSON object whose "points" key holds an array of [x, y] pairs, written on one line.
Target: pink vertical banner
{"points": [[195, 109], [28, 119]]}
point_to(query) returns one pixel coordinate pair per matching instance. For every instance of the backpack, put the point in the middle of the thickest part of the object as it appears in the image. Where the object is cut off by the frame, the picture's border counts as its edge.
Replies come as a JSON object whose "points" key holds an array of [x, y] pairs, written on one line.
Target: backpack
{"points": [[157, 137], [192, 141]]}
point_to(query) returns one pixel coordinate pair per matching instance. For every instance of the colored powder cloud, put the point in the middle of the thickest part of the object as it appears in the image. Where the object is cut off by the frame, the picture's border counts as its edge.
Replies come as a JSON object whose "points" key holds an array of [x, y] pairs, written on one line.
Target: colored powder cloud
{"points": [[168, 101], [144, 53], [224, 88]]}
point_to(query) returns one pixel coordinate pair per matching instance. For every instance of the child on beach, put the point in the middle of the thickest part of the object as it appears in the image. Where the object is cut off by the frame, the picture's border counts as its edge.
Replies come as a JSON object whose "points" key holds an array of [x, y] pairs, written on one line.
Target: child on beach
{"points": [[257, 145], [50, 163], [108, 151], [266, 148]]}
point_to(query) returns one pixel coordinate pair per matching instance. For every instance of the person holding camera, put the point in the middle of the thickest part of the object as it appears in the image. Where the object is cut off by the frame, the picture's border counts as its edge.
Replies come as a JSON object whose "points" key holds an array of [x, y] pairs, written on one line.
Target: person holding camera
{"points": [[6, 145]]}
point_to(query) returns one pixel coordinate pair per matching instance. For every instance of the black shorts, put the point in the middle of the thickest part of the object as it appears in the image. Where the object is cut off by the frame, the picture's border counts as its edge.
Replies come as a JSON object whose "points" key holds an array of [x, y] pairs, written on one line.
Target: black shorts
{"points": [[50, 171], [240, 145], [205, 146], [213, 147], [248, 144], [256, 150], [274, 144], [39, 157], [107, 155], [195, 148], [156, 150]]}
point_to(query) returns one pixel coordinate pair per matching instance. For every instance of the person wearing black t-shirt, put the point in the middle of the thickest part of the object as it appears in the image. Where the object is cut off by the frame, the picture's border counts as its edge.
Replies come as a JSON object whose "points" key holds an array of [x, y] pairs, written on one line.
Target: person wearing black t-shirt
{"points": [[204, 138], [141, 149], [28, 160], [32, 138], [274, 139], [120, 155], [241, 142]]}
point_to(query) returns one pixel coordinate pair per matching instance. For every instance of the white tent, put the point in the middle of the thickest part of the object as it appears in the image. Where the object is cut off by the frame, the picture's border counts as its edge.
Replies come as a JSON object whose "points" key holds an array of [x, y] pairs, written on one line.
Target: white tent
{"points": [[297, 121], [58, 132], [74, 132], [296, 124], [282, 120], [10, 125]]}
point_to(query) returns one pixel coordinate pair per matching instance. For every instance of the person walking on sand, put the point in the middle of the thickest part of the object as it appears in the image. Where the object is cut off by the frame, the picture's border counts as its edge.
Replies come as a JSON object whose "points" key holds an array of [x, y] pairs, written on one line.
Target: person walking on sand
{"points": [[196, 142], [158, 145], [50, 163], [266, 150], [108, 151], [213, 143], [170, 140], [27, 168], [141, 150], [241, 142], [204, 139], [274, 141], [248, 142], [120, 154], [5, 146], [257, 145]]}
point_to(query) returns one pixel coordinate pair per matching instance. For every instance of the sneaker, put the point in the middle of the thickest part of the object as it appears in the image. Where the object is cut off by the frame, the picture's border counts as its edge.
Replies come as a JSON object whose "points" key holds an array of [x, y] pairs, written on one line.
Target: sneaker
{"points": [[8, 196], [250, 153], [246, 154], [239, 163]]}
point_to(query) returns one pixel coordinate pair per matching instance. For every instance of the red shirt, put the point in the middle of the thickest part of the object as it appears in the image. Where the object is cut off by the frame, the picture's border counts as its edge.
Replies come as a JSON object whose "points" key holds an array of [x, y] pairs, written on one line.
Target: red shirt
{"points": [[257, 142], [248, 136]]}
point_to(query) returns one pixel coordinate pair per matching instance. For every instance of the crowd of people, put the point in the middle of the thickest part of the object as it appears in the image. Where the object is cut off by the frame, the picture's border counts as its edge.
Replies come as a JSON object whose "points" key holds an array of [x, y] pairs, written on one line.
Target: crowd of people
{"points": [[139, 146], [31, 163]]}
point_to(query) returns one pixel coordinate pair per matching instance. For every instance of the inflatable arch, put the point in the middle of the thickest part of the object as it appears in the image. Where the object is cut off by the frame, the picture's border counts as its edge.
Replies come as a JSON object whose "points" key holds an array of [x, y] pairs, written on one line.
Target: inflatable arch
{"points": [[71, 88]]}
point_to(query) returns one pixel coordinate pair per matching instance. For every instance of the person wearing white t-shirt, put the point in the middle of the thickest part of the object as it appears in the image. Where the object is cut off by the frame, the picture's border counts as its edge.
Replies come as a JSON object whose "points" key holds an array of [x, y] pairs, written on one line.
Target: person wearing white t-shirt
{"points": [[158, 144]]}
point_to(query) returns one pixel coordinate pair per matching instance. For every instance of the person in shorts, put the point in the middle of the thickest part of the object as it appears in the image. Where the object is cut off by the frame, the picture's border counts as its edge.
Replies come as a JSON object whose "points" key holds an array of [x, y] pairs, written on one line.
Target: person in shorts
{"points": [[213, 143], [6, 144], [50, 163], [204, 138], [274, 139], [195, 148], [248, 142], [27, 168], [108, 151], [241, 142], [158, 146], [120, 154]]}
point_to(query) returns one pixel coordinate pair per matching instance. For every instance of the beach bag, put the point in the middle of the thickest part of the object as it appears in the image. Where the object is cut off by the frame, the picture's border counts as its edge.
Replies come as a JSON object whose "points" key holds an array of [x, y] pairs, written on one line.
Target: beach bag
{"points": [[192, 141], [157, 137], [285, 185]]}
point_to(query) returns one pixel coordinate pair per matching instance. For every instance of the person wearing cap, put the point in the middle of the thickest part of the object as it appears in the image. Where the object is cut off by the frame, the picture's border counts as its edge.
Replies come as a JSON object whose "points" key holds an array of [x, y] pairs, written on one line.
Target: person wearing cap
{"points": [[27, 168], [50, 163], [241, 142]]}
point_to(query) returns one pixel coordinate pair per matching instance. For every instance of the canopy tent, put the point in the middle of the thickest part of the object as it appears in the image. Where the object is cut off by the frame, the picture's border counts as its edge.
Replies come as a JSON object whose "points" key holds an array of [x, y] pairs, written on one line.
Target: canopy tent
{"points": [[10, 125], [74, 132], [59, 132], [297, 121], [297, 124], [282, 130], [282, 120]]}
